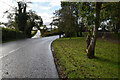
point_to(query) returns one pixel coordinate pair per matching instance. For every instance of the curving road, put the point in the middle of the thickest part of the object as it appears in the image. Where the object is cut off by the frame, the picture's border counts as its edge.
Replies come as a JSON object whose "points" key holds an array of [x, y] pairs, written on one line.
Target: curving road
{"points": [[28, 58]]}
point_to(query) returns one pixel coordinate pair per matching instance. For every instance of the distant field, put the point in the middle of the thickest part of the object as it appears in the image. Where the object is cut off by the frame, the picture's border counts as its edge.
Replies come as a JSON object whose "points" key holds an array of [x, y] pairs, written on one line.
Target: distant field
{"points": [[71, 60]]}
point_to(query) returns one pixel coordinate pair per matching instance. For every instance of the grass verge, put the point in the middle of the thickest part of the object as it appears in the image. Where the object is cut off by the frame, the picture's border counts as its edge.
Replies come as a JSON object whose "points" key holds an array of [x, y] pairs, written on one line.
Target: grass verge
{"points": [[71, 61], [33, 33]]}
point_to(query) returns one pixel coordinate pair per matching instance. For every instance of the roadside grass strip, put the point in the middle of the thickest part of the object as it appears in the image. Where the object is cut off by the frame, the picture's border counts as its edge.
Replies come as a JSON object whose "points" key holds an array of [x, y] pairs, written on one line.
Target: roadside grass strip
{"points": [[71, 61]]}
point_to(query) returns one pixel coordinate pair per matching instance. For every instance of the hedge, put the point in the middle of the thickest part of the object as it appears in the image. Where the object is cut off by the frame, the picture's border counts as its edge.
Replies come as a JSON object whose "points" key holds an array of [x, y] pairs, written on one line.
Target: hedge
{"points": [[11, 34], [50, 33]]}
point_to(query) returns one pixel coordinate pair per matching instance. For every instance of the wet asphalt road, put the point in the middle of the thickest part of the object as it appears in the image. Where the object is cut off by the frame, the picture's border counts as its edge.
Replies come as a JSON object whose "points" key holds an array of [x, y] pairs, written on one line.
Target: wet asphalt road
{"points": [[28, 58]]}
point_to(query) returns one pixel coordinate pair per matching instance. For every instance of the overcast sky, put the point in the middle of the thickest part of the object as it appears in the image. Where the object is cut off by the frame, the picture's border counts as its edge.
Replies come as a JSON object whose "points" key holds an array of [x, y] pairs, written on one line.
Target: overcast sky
{"points": [[43, 8]]}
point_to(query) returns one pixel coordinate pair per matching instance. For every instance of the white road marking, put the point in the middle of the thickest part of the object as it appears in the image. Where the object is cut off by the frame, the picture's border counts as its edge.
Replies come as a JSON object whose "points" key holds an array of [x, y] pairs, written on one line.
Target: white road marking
{"points": [[14, 50], [9, 53]]}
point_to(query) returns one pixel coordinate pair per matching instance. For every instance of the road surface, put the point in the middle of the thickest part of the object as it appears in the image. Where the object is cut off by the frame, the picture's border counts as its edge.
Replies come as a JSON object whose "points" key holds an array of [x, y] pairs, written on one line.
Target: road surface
{"points": [[28, 58]]}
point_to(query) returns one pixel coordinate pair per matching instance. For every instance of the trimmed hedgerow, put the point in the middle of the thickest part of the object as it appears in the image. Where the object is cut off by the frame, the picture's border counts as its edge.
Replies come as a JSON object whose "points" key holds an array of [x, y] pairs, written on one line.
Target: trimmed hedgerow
{"points": [[50, 33], [11, 34]]}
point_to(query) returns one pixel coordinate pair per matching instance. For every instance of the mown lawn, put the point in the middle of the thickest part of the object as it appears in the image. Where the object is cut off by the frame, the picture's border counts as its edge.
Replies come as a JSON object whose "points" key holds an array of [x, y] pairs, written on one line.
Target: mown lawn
{"points": [[71, 60]]}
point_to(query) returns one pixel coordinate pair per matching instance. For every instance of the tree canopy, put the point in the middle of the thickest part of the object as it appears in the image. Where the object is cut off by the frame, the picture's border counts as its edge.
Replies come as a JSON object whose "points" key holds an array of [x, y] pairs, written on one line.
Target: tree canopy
{"points": [[76, 17], [22, 20]]}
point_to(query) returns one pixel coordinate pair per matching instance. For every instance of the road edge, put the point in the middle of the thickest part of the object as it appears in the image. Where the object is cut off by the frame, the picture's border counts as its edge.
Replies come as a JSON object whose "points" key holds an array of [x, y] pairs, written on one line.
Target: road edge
{"points": [[53, 54]]}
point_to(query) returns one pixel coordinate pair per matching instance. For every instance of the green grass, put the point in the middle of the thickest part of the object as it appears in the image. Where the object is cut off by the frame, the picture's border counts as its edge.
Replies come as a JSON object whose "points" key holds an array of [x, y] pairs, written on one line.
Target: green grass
{"points": [[71, 61], [33, 33]]}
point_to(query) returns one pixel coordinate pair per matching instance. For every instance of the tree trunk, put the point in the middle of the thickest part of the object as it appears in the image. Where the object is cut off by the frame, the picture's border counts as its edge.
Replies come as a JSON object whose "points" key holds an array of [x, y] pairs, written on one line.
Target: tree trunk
{"points": [[77, 18], [70, 22], [20, 9], [59, 35], [82, 25], [116, 27], [91, 48], [51, 27], [81, 31], [28, 32], [88, 39], [24, 11], [29, 29], [77, 32]]}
